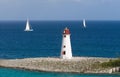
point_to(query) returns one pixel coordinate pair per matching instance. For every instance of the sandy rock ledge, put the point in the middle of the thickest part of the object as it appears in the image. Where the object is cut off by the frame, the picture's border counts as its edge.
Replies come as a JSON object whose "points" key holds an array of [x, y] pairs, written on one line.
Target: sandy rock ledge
{"points": [[75, 65]]}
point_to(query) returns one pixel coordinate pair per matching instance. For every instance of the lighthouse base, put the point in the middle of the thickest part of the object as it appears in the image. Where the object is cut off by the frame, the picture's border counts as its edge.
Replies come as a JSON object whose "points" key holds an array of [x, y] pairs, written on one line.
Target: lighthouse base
{"points": [[64, 57]]}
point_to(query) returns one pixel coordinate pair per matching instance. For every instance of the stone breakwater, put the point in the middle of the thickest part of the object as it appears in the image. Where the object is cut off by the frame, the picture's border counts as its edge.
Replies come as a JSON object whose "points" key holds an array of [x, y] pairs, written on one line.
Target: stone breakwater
{"points": [[74, 65]]}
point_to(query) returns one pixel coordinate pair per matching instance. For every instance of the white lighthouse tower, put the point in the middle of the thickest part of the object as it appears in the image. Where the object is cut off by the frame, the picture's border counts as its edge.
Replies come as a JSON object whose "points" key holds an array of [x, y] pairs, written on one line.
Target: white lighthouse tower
{"points": [[66, 50]]}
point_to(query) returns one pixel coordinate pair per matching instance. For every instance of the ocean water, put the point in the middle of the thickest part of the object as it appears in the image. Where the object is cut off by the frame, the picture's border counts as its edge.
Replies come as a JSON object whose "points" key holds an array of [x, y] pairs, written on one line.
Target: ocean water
{"points": [[6, 72], [98, 39]]}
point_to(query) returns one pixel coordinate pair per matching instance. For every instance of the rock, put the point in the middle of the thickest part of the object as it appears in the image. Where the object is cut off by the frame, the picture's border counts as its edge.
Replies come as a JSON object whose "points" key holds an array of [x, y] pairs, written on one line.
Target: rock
{"points": [[76, 64]]}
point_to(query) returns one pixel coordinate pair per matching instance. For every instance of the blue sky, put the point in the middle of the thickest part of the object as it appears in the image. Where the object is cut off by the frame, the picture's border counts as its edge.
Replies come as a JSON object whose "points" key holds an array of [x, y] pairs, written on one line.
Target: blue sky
{"points": [[60, 9]]}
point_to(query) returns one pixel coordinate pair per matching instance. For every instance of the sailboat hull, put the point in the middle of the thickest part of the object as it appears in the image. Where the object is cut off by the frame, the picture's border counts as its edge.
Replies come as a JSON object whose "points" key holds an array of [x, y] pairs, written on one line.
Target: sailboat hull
{"points": [[29, 30]]}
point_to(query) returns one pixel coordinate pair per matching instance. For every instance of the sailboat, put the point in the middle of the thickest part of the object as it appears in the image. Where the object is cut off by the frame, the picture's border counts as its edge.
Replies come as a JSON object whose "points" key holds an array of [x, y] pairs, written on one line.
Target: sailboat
{"points": [[84, 23], [28, 27]]}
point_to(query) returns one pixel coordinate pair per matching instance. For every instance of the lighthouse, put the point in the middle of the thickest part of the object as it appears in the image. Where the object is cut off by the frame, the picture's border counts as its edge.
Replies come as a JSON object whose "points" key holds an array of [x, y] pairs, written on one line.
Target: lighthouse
{"points": [[66, 50]]}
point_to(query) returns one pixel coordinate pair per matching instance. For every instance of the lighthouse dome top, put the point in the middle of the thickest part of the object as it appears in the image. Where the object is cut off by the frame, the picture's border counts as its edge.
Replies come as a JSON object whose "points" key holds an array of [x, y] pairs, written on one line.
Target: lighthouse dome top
{"points": [[66, 31]]}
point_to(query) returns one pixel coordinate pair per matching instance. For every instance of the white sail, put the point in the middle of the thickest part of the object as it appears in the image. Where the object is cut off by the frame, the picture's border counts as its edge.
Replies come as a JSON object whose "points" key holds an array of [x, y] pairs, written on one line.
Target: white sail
{"points": [[28, 28], [84, 23]]}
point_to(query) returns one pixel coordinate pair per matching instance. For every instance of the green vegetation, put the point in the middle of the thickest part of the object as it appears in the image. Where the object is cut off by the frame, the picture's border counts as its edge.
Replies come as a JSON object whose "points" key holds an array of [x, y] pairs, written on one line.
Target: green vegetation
{"points": [[111, 63]]}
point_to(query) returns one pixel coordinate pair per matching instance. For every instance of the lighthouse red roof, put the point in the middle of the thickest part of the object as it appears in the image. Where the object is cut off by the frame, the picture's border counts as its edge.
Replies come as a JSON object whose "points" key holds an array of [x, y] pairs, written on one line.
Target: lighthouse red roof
{"points": [[66, 31]]}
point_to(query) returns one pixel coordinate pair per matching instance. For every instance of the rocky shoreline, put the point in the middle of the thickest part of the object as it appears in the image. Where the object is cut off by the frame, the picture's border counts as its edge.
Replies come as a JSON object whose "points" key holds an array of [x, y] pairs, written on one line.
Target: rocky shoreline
{"points": [[74, 65]]}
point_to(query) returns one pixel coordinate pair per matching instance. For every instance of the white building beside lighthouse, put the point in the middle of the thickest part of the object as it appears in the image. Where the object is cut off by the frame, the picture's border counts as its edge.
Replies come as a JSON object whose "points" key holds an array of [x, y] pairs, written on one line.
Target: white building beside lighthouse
{"points": [[66, 50]]}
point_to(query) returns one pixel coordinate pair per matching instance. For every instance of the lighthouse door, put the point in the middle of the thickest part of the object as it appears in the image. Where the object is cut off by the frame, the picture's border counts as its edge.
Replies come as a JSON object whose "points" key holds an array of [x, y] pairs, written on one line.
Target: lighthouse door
{"points": [[63, 53]]}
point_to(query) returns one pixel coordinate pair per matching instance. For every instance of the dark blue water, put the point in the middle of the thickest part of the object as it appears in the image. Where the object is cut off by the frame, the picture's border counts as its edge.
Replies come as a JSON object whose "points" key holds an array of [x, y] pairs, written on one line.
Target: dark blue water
{"points": [[99, 39]]}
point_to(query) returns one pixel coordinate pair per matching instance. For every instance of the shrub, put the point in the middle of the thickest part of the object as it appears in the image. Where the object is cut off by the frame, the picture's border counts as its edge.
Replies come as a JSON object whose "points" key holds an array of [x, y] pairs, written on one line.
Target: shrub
{"points": [[111, 63]]}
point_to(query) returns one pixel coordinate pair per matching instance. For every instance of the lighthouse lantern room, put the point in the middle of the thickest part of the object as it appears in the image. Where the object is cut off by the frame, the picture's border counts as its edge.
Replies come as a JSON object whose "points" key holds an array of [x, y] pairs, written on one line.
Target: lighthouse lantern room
{"points": [[66, 50]]}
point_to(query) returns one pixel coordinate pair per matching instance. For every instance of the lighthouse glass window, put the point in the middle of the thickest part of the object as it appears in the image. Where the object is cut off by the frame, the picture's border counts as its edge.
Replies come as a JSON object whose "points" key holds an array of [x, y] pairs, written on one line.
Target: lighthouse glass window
{"points": [[64, 46], [64, 35]]}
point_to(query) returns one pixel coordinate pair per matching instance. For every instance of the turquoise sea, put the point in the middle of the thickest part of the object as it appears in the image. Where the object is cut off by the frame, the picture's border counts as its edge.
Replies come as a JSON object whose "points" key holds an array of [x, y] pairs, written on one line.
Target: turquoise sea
{"points": [[98, 39], [7, 72]]}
